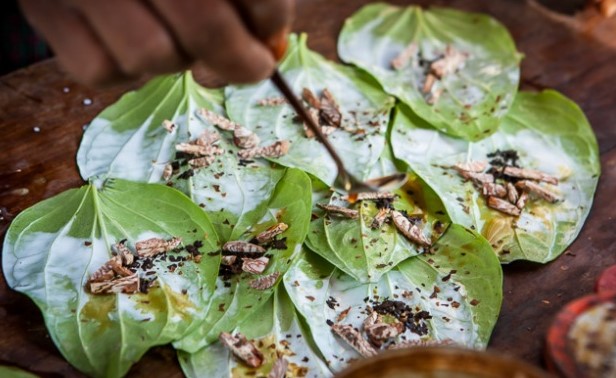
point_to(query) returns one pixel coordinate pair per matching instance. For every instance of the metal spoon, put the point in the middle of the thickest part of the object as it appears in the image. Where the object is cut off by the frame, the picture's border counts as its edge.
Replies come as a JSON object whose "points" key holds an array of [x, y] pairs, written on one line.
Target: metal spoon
{"points": [[344, 180]]}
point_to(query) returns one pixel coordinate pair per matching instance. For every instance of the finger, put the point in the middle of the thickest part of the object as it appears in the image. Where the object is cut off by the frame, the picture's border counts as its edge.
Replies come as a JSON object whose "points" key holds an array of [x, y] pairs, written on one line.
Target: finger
{"points": [[134, 36], [267, 18], [212, 31], [77, 48]]}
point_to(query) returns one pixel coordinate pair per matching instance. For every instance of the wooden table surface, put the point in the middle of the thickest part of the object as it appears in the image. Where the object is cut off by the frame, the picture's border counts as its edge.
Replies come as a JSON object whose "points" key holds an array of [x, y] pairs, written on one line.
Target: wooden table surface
{"points": [[42, 114]]}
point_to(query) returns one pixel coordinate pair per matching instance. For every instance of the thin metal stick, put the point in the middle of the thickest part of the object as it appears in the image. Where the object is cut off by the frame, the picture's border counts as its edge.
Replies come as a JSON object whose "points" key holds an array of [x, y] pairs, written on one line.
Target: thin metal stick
{"points": [[299, 108]]}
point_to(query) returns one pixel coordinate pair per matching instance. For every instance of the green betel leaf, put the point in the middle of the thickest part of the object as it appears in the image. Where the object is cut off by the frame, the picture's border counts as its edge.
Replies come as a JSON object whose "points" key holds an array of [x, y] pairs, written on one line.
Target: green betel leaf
{"points": [[452, 295], [551, 135], [470, 58], [235, 299], [53, 250], [365, 251], [274, 323], [364, 111], [128, 140]]}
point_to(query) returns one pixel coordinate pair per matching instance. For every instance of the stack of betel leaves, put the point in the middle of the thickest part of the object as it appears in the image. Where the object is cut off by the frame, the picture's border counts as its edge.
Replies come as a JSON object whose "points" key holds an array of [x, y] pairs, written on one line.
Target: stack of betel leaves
{"points": [[209, 222]]}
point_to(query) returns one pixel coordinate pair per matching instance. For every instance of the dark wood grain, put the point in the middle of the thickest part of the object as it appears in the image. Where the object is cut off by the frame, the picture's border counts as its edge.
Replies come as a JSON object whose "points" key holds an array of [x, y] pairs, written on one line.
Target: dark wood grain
{"points": [[559, 53]]}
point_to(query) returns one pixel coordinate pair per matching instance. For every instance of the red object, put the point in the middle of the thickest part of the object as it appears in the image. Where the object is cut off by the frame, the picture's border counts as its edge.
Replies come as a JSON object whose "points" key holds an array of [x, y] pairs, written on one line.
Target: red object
{"points": [[560, 357], [607, 280]]}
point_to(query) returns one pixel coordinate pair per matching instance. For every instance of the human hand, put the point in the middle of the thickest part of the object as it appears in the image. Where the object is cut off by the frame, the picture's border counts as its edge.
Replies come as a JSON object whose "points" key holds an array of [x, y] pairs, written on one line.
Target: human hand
{"points": [[101, 42]]}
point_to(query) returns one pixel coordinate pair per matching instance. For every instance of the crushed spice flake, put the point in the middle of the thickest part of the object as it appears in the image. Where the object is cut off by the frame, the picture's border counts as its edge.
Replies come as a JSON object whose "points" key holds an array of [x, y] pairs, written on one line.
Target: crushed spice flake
{"points": [[243, 349], [343, 314]]}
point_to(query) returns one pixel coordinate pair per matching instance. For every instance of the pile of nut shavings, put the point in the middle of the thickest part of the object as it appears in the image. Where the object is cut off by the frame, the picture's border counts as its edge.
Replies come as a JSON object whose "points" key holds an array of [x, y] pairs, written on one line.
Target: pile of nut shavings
{"points": [[253, 257], [127, 272], [383, 327], [505, 185], [249, 353], [433, 70], [204, 150], [411, 226]]}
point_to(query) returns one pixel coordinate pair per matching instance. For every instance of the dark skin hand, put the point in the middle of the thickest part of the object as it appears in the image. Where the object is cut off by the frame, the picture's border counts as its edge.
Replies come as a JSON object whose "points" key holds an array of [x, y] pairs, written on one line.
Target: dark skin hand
{"points": [[100, 42]]}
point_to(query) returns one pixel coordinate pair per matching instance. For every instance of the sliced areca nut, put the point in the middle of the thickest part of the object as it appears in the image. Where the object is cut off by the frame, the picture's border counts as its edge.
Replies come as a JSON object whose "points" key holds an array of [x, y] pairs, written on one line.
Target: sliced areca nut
{"points": [[512, 193], [242, 348], [198, 150], [477, 177], [228, 260], [242, 247], [265, 282], [125, 253], [202, 162], [275, 150], [244, 138], [339, 210], [218, 120], [381, 217], [493, 189], [405, 56], [273, 231], [379, 333], [254, 266], [311, 98], [521, 202], [279, 370], [272, 101], [352, 337], [169, 126], [207, 138], [330, 110], [420, 343], [451, 62], [476, 166], [167, 171], [372, 196], [503, 206], [530, 174], [540, 191], [410, 230], [126, 285], [154, 246]]}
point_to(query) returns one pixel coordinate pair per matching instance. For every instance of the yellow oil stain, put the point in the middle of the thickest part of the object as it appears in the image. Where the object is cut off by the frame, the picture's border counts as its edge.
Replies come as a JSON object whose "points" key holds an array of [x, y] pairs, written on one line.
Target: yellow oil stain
{"points": [[97, 312]]}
